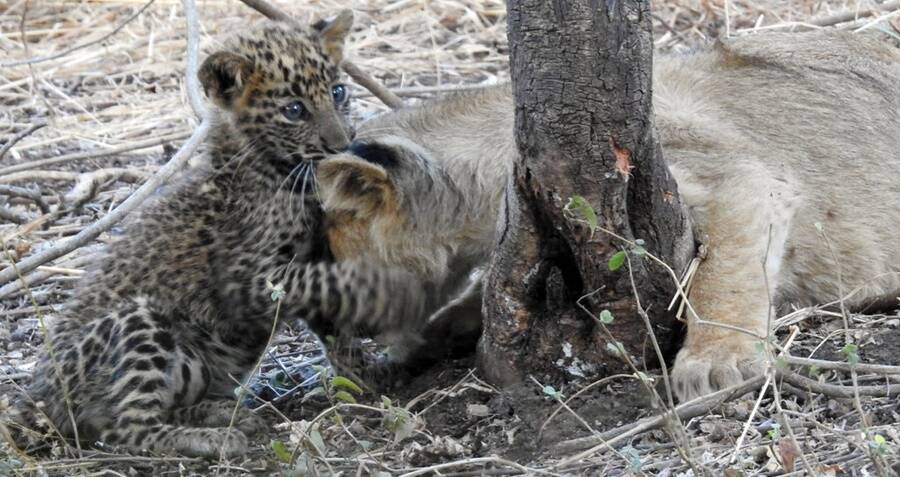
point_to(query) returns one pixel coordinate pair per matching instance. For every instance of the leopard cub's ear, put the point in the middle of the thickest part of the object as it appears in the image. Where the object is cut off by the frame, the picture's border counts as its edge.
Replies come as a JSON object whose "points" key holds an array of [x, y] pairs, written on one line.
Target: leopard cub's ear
{"points": [[224, 76], [333, 34]]}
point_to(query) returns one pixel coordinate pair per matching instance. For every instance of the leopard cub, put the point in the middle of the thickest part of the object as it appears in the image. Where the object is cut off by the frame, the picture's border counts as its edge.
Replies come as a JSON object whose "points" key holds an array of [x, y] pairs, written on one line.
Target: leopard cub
{"points": [[148, 351]]}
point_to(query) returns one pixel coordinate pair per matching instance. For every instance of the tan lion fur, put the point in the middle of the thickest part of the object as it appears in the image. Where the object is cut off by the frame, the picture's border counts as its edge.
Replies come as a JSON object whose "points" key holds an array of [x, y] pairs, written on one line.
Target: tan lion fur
{"points": [[786, 143]]}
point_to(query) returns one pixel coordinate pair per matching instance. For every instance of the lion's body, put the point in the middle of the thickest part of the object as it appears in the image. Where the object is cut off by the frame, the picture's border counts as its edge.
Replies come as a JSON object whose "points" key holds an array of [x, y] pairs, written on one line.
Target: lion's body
{"points": [[780, 143]]}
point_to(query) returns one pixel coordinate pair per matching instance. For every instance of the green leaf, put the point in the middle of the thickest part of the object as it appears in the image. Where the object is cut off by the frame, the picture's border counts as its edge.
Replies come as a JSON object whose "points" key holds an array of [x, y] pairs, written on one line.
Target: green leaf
{"points": [[814, 371], [760, 347], [281, 452], [581, 209], [616, 261], [606, 317], [634, 458], [279, 379], [316, 391], [850, 350], [781, 363], [879, 440], [643, 377], [616, 348], [551, 391], [386, 402], [775, 432], [315, 438], [346, 383], [345, 396]]}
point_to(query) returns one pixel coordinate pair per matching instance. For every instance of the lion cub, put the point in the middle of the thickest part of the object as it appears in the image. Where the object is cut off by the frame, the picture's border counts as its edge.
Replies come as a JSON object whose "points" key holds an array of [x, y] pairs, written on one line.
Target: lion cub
{"points": [[784, 147]]}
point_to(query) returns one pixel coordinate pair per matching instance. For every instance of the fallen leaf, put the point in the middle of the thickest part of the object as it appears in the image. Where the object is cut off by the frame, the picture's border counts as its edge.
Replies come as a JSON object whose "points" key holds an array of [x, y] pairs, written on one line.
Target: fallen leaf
{"points": [[22, 248], [823, 470], [788, 453]]}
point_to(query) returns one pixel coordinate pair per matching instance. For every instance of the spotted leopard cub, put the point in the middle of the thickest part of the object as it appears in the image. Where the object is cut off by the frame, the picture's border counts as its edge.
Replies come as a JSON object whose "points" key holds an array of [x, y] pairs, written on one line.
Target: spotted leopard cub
{"points": [[148, 351]]}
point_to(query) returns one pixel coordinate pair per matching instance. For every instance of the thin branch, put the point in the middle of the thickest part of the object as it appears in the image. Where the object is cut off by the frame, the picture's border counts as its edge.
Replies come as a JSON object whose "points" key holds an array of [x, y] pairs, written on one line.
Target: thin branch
{"points": [[18, 137], [361, 77], [67, 51], [193, 48], [33, 195], [882, 369], [838, 391], [691, 409], [851, 15], [13, 216], [80, 156], [175, 164]]}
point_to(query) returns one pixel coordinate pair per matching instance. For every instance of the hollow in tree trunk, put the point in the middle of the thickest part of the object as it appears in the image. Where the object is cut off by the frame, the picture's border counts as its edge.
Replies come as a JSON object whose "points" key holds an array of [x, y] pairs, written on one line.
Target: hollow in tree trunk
{"points": [[581, 74]]}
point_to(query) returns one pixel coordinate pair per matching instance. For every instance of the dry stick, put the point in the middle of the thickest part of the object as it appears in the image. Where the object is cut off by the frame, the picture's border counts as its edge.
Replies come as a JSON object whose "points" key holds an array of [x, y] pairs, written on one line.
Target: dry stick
{"points": [[65, 52], [787, 422], [575, 395], [770, 376], [691, 409], [57, 368], [854, 15], [175, 164], [13, 216], [123, 174], [41, 275], [838, 391], [18, 137], [385, 95], [476, 460], [361, 77], [33, 195], [882, 369], [670, 428], [80, 156]]}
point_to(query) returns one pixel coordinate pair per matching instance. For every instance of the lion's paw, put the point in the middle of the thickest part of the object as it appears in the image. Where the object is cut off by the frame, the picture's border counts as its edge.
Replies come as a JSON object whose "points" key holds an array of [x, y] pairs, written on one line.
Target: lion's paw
{"points": [[716, 365]]}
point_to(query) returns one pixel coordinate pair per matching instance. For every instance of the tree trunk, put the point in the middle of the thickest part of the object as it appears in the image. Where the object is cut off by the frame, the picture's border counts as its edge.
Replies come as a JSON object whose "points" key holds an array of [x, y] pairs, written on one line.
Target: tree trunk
{"points": [[581, 73]]}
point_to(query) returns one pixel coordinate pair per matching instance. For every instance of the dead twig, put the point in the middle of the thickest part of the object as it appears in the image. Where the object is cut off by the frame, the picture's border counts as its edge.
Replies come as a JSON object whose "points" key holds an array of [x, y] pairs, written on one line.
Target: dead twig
{"points": [[25, 193], [18, 137], [361, 77], [80, 156], [13, 216], [693, 408], [175, 164], [130, 175], [42, 274], [67, 51], [838, 391], [882, 369], [851, 15]]}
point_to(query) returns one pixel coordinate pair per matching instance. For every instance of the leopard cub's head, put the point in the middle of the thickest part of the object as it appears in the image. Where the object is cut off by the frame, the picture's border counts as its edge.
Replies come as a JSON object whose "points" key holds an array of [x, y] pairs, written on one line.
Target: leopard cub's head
{"points": [[279, 85], [390, 201]]}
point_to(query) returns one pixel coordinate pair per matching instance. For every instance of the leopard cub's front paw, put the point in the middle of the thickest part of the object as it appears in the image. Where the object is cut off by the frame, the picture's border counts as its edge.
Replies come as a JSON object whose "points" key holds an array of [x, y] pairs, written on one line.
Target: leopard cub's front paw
{"points": [[715, 365]]}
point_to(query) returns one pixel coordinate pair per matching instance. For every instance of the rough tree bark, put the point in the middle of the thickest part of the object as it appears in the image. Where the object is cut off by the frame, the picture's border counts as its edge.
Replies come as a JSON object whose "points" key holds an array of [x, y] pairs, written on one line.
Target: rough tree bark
{"points": [[581, 74]]}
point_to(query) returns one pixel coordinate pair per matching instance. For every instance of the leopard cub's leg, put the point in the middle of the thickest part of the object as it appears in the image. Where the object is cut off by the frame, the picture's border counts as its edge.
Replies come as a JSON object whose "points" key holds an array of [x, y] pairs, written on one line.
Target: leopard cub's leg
{"points": [[151, 370], [219, 413]]}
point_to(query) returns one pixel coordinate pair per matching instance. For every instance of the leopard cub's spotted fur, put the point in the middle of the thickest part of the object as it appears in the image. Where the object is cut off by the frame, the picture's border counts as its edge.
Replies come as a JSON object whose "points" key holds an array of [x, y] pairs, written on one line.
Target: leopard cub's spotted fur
{"points": [[147, 351]]}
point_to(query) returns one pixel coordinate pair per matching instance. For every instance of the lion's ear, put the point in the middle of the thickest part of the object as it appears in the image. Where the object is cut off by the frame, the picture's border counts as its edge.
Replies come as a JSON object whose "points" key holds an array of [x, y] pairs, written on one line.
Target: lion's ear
{"points": [[333, 34], [349, 183], [224, 76]]}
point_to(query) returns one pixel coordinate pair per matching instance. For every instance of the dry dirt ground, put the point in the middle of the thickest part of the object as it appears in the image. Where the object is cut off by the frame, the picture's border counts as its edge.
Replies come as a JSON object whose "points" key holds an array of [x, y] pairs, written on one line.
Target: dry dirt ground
{"points": [[105, 81]]}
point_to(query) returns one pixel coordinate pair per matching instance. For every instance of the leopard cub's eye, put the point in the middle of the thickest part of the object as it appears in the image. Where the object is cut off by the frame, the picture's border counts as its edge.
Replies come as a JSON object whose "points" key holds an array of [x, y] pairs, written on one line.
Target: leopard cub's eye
{"points": [[294, 111], [339, 93]]}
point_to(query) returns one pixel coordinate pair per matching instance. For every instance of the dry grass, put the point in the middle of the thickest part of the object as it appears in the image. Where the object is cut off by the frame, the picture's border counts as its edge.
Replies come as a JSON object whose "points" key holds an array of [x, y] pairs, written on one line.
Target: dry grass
{"points": [[108, 114]]}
